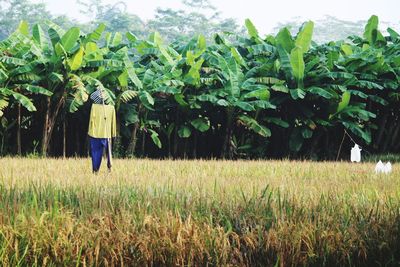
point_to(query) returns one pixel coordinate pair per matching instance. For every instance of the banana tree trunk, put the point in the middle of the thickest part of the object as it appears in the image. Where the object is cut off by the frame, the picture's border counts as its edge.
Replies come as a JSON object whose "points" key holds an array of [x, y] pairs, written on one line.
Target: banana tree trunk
{"points": [[134, 135], [2, 143], [195, 144], [176, 141], [19, 130], [132, 143], [46, 128], [169, 147], [226, 147], [64, 135], [185, 148], [327, 144], [382, 127], [315, 142], [77, 141], [388, 138], [395, 137], [176, 138], [49, 123], [143, 142]]}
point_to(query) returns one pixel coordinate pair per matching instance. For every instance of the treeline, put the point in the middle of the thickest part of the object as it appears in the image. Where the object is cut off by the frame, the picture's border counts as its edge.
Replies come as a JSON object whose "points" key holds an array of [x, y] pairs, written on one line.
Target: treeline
{"points": [[242, 96], [195, 17]]}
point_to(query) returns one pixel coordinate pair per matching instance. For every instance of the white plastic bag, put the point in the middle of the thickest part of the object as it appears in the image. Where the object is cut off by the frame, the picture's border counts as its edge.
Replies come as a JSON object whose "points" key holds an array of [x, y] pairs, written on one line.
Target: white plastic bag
{"points": [[379, 167], [388, 168], [355, 155]]}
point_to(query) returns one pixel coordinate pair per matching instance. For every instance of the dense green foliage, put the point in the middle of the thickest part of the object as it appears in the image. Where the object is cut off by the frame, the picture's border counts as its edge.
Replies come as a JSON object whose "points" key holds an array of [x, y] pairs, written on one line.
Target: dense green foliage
{"points": [[242, 96]]}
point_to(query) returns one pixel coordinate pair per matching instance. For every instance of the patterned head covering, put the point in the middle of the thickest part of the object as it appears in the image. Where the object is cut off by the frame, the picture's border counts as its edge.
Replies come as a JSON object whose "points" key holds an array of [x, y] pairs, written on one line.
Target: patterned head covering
{"points": [[97, 97]]}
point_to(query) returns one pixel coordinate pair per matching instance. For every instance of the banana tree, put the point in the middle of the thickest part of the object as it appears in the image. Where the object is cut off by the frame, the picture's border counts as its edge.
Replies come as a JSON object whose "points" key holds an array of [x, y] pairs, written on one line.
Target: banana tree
{"points": [[373, 61], [62, 58], [53, 63], [305, 105], [18, 79], [234, 93], [184, 109]]}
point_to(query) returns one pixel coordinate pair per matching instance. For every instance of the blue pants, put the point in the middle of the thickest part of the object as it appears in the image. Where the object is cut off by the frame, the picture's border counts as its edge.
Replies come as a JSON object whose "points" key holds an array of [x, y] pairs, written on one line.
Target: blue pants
{"points": [[97, 146]]}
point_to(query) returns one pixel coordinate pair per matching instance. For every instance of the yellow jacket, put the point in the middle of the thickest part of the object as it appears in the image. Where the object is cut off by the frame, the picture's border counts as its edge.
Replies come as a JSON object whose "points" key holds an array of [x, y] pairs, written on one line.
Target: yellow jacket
{"points": [[102, 123]]}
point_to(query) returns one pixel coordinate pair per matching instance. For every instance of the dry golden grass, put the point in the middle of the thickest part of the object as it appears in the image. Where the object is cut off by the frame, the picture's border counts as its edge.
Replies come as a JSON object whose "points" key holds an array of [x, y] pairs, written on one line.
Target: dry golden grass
{"points": [[166, 212]]}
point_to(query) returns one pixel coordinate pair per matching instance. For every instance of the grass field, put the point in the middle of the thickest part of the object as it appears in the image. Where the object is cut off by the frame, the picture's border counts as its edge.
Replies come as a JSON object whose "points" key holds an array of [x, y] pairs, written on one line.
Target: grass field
{"points": [[232, 213]]}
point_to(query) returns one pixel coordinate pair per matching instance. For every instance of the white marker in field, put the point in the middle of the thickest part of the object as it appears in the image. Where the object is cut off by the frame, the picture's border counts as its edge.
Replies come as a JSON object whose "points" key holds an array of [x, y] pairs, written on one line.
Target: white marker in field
{"points": [[355, 155], [388, 168], [379, 167], [383, 168]]}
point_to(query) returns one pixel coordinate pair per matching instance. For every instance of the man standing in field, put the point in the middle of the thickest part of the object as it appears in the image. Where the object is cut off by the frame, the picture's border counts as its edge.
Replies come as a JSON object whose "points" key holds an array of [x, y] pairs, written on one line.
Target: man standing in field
{"points": [[102, 127]]}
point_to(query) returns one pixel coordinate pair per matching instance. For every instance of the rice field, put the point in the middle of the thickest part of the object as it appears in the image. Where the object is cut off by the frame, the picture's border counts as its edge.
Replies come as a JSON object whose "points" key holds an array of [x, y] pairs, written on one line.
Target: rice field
{"points": [[55, 212]]}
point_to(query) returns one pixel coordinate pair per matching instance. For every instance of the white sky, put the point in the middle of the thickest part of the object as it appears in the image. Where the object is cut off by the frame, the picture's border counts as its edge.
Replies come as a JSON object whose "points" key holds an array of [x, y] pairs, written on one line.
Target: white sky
{"points": [[265, 14]]}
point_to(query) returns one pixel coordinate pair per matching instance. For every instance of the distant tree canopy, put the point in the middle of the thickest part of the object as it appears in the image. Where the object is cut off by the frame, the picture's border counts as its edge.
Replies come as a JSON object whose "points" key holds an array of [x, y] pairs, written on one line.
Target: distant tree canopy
{"points": [[327, 29], [12, 12], [201, 19], [113, 15], [171, 24]]}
